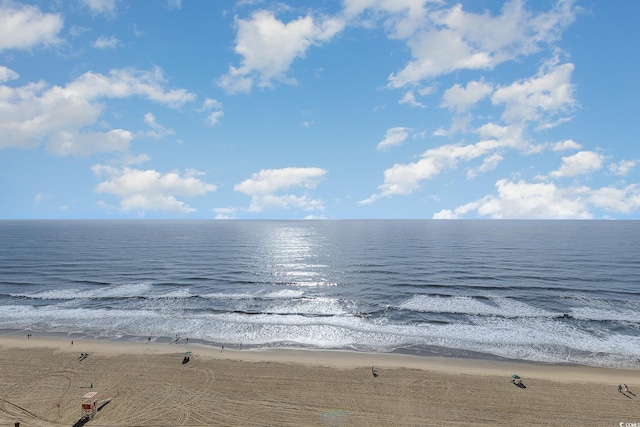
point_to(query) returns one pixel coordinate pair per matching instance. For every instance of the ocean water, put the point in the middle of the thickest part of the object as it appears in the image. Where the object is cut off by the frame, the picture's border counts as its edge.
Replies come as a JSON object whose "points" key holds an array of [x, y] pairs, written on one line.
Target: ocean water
{"points": [[544, 291]]}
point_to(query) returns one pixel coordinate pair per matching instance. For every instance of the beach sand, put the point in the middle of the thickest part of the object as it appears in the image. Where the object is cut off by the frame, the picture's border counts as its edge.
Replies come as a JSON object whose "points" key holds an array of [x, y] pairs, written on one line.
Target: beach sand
{"points": [[43, 381]]}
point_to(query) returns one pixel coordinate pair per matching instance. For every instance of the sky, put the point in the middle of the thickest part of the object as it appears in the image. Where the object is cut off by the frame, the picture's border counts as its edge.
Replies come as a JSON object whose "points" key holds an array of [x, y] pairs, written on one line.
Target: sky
{"points": [[352, 109]]}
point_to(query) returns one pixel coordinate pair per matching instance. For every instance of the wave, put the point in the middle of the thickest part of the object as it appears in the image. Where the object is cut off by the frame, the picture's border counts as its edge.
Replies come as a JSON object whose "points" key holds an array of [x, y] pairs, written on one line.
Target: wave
{"points": [[490, 306], [569, 308], [541, 339]]}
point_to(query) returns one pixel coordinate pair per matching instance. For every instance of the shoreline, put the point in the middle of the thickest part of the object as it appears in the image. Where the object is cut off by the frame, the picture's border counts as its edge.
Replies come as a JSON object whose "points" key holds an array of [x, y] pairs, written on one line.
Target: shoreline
{"points": [[150, 384], [333, 358], [433, 353]]}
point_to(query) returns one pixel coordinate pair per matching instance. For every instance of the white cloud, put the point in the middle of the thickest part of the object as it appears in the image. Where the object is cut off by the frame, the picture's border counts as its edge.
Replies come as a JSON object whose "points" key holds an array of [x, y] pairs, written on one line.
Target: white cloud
{"points": [[460, 99], [105, 42], [623, 200], [106, 7], [263, 186], [23, 26], [77, 30], [623, 167], [157, 130], [174, 4], [395, 136], [581, 163], [523, 200], [214, 117], [7, 74], [36, 112], [149, 190], [121, 83], [65, 143], [410, 99], [489, 163], [268, 48], [403, 179], [210, 104], [539, 98], [452, 39], [40, 197], [565, 145], [402, 17], [225, 213]]}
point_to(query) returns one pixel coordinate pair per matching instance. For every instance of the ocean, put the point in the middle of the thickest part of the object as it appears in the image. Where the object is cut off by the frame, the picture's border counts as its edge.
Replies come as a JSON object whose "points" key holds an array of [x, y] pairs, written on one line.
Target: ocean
{"points": [[541, 291]]}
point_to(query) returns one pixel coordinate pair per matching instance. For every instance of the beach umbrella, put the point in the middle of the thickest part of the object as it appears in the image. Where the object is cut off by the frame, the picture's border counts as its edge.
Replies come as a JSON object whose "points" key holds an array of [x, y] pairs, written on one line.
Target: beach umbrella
{"points": [[515, 377]]}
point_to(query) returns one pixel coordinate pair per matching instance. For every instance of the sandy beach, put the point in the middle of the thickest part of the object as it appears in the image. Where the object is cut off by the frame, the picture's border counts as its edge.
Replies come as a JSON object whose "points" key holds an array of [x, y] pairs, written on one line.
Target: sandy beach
{"points": [[147, 384]]}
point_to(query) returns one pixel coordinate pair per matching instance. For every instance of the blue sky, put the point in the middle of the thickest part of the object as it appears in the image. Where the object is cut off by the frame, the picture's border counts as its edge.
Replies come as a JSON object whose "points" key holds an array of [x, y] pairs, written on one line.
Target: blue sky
{"points": [[325, 109]]}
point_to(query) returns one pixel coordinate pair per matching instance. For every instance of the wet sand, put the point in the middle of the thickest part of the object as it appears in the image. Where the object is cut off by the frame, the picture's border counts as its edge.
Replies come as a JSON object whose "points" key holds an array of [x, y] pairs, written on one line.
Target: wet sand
{"points": [[147, 384]]}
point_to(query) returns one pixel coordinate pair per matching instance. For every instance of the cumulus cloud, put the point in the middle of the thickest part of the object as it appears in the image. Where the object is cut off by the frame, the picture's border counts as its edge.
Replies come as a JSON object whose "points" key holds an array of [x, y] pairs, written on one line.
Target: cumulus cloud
{"points": [[617, 200], [225, 213], [105, 42], [7, 74], [36, 112], [489, 163], [157, 130], [266, 187], [409, 98], [149, 190], [403, 179], [101, 7], [65, 143], [402, 18], [395, 136], [460, 99], [581, 163], [269, 46], [24, 26], [451, 39], [523, 200], [565, 145], [213, 117], [540, 98], [623, 167], [211, 104]]}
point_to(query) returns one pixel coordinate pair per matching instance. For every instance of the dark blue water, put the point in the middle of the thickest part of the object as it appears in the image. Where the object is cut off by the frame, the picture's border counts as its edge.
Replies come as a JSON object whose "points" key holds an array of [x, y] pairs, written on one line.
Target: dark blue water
{"points": [[549, 291]]}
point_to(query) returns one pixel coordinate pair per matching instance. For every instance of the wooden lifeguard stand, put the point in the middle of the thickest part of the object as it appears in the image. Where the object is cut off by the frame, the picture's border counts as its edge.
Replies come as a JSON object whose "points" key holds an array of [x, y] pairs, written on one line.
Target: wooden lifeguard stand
{"points": [[89, 404]]}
